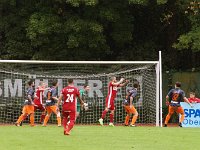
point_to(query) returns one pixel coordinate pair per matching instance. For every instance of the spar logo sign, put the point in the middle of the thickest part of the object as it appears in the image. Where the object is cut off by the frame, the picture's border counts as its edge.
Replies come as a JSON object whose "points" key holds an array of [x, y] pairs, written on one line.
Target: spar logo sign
{"points": [[192, 115]]}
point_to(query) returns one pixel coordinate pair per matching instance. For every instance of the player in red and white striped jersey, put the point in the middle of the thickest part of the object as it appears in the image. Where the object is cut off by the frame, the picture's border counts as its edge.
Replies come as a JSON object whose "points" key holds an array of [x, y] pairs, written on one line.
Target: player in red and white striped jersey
{"points": [[39, 98], [110, 99]]}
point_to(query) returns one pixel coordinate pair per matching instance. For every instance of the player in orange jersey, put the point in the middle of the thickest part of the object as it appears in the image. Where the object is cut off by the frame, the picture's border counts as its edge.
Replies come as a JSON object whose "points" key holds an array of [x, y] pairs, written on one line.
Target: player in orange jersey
{"points": [[173, 99], [28, 108], [129, 108], [51, 104]]}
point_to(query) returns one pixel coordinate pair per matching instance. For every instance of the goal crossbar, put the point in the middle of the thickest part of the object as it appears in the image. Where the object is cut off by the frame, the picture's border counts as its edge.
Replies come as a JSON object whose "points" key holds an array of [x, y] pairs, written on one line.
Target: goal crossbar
{"points": [[77, 62]]}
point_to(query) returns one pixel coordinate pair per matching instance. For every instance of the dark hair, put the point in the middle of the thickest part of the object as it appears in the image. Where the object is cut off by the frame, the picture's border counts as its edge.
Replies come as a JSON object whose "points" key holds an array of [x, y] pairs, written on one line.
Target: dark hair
{"points": [[30, 82], [85, 85], [70, 81], [178, 84], [135, 85], [54, 82]]}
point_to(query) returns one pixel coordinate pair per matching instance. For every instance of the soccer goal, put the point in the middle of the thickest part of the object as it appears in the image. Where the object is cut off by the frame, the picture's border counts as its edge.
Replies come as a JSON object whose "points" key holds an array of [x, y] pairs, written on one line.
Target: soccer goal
{"points": [[14, 75]]}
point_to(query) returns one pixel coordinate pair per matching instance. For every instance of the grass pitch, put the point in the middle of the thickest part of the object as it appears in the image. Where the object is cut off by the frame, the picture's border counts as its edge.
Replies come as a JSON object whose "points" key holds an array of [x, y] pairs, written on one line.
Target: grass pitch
{"points": [[99, 138]]}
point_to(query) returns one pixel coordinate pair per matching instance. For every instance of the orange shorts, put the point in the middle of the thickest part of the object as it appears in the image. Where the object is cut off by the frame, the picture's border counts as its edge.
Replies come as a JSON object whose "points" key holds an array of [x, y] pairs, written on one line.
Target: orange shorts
{"points": [[51, 109], [28, 109], [129, 110], [176, 109]]}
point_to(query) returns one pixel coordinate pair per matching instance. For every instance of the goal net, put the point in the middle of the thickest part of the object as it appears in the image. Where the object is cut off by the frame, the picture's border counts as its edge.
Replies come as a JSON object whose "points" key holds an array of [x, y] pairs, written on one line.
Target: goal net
{"points": [[14, 76]]}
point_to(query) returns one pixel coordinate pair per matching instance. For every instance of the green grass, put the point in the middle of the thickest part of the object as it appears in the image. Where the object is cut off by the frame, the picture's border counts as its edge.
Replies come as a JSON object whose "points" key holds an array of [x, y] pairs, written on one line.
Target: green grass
{"points": [[99, 138]]}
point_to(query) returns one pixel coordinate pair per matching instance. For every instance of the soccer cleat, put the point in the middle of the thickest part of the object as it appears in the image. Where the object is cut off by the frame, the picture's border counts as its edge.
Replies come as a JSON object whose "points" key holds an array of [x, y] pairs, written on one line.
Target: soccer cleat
{"points": [[17, 124], [59, 125], [32, 125], [165, 125], [111, 124], [180, 125], [44, 125], [66, 132], [101, 121], [20, 123], [132, 125]]}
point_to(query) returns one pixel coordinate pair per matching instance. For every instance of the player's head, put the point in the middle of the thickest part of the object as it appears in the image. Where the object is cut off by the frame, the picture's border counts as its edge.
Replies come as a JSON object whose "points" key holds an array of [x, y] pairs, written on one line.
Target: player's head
{"points": [[113, 79], [55, 83], [42, 84], [135, 85], [70, 81], [177, 84], [86, 87], [192, 94], [31, 83]]}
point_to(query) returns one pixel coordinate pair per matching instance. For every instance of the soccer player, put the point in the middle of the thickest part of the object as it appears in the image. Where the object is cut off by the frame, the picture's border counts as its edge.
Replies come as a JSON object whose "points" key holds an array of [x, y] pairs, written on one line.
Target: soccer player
{"points": [[69, 94], [38, 99], [83, 94], [112, 92], [173, 99], [193, 99], [51, 104], [28, 108], [128, 106]]}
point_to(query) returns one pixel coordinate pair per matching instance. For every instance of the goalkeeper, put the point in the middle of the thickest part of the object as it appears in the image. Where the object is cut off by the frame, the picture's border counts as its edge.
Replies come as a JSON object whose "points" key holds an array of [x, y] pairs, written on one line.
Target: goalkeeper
{"points": [[128, 106], [83, 95]]}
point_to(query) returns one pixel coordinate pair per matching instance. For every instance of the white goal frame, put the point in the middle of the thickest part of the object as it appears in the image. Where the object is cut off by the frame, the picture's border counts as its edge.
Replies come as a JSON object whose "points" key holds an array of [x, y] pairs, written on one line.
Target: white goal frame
{"points": [[158, 75]]}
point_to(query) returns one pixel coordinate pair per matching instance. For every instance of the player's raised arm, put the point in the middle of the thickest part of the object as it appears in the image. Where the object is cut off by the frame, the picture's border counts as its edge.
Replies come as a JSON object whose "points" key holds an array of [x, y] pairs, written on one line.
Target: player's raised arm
{"points": [[124, 84], [118, 83]]}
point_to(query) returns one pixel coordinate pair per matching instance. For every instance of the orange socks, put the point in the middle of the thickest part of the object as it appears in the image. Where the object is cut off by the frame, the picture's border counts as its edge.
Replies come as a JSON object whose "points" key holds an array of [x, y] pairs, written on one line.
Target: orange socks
{"points": [[46, 119], [134, 119], [32, 119], [167, 118], [182, 118], [59, 121], [127, 120], [21, 118]]}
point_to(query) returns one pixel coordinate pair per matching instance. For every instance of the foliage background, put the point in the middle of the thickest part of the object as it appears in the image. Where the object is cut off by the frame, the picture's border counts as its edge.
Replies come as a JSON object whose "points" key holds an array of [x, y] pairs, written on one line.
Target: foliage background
{"points": [[102, 30]]}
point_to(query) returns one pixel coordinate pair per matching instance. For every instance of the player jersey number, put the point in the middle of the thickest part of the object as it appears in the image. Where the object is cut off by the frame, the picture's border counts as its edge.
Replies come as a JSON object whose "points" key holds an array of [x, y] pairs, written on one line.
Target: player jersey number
{"points": [[70, 98], [175, 96]]}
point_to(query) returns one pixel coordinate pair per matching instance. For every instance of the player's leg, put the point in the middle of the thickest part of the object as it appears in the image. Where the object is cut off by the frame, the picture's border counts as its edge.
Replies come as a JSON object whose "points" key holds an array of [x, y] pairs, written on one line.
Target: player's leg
{"points": [[22, 116], [112, 111], [65, 119], [127, 118], [103, 115], [31, 113], [105, 111], [57, 112], [170, 112], [135, 115], [181, 111], [72, 115], [43, 114], [46, 119]]}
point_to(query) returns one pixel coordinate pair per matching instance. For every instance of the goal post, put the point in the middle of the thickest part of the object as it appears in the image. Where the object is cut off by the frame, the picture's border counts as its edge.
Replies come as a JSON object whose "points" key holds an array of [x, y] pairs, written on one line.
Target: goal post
{"points": [[14, 75]]}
